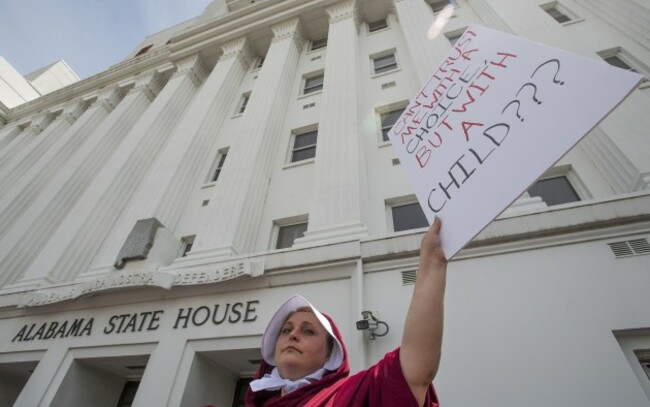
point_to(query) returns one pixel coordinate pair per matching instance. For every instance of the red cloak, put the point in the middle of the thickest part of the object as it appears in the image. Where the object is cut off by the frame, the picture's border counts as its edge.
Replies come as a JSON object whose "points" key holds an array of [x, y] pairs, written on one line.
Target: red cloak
{"points": [[382, 385]]}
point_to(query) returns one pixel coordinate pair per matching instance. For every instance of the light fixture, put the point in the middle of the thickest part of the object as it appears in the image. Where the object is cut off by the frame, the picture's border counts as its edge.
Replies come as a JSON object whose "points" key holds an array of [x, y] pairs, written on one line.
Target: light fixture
{"points": [[371, 323]]}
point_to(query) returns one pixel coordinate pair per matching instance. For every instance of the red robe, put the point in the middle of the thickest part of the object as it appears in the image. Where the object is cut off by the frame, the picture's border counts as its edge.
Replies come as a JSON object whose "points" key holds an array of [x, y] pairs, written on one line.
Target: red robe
{"points": [[382, 385]]}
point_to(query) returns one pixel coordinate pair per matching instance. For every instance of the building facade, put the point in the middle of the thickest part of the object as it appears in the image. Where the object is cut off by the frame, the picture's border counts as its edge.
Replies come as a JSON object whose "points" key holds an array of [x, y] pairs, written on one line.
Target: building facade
{"points": [[153, 216]]}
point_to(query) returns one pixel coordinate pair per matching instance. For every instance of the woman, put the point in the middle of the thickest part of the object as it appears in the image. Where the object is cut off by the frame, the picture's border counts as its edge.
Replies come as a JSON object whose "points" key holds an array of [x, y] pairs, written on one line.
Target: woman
{"points": [[305, 362]]}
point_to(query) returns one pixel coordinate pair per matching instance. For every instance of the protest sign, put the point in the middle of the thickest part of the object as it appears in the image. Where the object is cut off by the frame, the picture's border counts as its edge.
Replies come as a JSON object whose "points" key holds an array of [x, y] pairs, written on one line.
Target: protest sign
{"points": [[496, 114]]}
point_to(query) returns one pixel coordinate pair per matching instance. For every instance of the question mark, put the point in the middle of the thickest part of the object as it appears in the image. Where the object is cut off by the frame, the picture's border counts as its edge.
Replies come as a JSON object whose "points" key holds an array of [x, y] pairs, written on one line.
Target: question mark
{"points": [[516, 111], [555, 79], [539, 102]]}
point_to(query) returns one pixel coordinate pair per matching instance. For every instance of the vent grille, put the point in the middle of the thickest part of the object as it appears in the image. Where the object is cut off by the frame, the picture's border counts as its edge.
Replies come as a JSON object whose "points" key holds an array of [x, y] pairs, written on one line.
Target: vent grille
{"points": [[388, 85], [408, 277], [395, 161], [633, 247]]}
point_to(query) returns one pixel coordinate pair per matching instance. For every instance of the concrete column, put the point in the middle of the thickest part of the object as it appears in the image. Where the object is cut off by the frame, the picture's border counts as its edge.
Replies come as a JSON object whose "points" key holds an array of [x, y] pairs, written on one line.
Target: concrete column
{"points": [[29, 156], [490, 17], [423, 32], [72, 247], [15, 146], [627, 127], [629, 16], [337, 199], [8, 133], [34, 225], [4, 113], [21, 191], [530, 21], [237, 199], [39, 382], [159, 376], [163, 192]]}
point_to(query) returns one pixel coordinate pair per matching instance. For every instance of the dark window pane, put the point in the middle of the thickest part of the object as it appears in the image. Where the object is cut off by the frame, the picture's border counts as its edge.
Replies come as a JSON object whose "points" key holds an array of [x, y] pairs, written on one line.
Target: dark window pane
{"points": [[288, 234], [437, 6], [407, 217], [239, 399], [319, 43], [377, 25], [557, 15], [385, 63], [554, 191], [453, 39], [244, 102], [619, 63], [260, 62], [217, 171], [128, 394], [305, 139], [303, 154], [388, 120], [314, 84]]}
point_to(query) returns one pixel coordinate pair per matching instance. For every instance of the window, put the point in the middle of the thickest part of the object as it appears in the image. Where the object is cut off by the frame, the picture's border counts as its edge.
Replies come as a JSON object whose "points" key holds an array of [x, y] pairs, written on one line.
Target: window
{"points": [[377, 25], [243, 102], [388, 119], [239, 399], [635, 344], [454, 36], [144, 50], [259, 62], [554, 191], [313, 84], [439, 5], [318, 44], [616, 61], [218, 166], [287, 234], [188, 242], [384, 62], [304, 145], [559, 13], [620, 58], [407, 216], [128, 393]]}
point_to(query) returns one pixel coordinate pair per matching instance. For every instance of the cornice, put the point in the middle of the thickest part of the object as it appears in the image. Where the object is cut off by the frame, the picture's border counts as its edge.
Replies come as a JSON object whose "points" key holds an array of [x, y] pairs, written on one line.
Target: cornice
{"points": [[621, 215], [218, 30], [116, 73], [240, 23]]}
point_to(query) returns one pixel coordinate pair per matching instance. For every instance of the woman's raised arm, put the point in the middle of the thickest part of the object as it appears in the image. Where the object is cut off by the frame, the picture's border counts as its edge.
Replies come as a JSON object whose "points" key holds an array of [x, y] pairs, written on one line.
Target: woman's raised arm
{"points": [[422, 338]]}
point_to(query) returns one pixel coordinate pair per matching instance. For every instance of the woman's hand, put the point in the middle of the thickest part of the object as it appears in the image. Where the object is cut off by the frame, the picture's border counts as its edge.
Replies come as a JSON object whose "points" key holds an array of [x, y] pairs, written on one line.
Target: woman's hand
{"points": [[422, 338]]}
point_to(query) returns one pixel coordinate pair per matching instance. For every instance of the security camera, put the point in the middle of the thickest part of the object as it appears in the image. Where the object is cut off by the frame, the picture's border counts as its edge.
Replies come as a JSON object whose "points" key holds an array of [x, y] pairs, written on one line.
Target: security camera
{"points": [[371, 323], [363, 324]]}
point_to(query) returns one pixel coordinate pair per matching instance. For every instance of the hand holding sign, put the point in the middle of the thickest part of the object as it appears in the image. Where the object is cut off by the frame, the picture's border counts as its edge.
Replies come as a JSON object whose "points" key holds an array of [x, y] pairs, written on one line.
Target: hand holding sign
{"points": [[496, 114]]}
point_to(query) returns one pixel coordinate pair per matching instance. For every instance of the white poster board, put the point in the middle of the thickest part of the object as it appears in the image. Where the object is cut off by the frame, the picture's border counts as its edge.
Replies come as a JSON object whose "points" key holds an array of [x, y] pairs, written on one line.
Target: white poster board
{"points": [[496, 114]]}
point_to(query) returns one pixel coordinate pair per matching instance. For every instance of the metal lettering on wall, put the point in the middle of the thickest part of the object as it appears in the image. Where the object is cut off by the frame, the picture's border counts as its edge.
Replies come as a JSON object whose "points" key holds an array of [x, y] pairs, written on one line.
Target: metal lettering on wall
{"points": [[217, 314], [136, 279]]}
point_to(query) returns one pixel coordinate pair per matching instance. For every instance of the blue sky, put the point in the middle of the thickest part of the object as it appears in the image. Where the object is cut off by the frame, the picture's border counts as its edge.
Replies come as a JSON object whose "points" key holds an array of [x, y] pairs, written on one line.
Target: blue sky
{"points": [[90, 35]]}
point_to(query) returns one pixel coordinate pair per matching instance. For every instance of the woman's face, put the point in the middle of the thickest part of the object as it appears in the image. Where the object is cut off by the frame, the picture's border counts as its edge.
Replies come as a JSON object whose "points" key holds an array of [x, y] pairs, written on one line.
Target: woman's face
{"points": [[301, 347]]}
